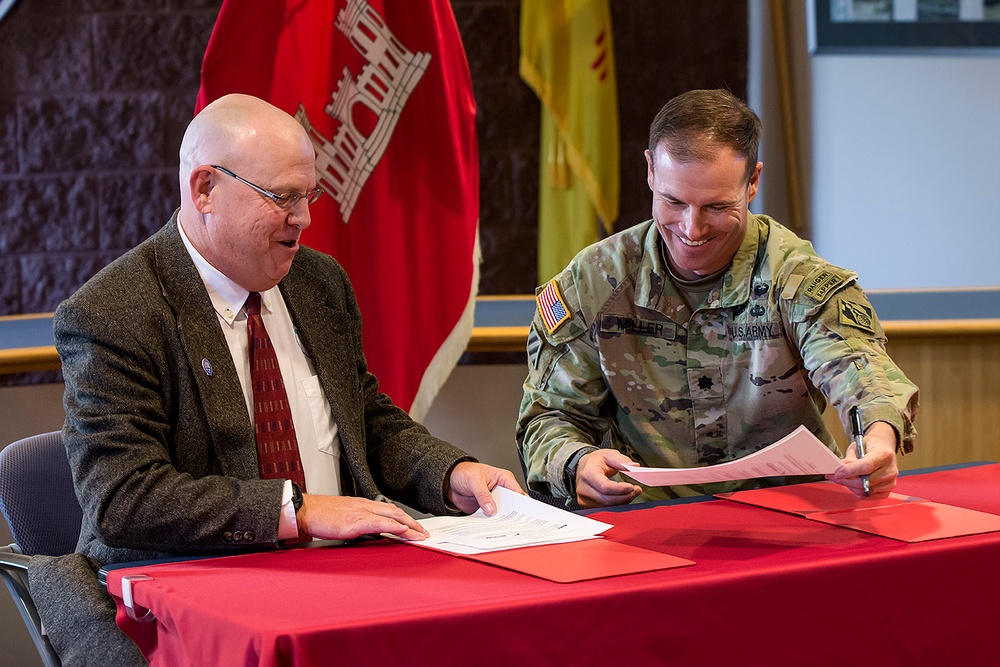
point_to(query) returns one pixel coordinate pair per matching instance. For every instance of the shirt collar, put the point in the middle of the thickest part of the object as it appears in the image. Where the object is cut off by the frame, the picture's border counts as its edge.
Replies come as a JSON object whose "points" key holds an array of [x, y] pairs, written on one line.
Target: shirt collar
{"points": [[228, 298]]}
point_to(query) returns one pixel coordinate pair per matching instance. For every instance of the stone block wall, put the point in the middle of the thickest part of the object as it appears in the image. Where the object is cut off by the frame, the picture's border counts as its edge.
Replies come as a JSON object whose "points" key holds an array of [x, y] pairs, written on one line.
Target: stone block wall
{"points": [[94, 97], [95, 94]]}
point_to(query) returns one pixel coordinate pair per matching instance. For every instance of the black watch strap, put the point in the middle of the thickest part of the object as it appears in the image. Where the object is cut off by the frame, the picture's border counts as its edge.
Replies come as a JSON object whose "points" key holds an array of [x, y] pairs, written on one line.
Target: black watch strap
{"points": [[296, 497], [569, 472]]}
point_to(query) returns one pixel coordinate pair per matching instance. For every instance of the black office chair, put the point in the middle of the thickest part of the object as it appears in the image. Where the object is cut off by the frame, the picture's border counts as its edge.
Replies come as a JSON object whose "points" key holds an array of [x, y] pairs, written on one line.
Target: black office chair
{"points": [[40, 506]]}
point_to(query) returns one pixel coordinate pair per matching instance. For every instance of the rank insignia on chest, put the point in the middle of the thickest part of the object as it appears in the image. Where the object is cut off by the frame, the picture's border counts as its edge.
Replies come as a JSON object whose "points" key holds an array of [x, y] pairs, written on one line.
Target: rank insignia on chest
{"points": [[857, 315], [551, 306]]}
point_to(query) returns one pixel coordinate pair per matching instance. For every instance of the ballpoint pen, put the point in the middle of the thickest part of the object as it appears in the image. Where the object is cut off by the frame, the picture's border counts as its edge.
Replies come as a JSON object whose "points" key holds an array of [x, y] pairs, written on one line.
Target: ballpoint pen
{"points": [[859, 443]]}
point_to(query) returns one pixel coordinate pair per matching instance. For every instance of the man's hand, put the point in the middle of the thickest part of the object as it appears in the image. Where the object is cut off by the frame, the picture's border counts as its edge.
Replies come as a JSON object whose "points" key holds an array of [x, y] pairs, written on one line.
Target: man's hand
{"points": [[345, 517], [470, 484], [879, 463], [594, 487]]}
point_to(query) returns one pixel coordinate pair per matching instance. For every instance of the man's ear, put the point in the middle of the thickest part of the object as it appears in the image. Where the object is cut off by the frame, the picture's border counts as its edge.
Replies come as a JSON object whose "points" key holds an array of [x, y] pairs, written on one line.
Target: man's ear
{"points": [[200, 184], [754, 182], [649, 168]]}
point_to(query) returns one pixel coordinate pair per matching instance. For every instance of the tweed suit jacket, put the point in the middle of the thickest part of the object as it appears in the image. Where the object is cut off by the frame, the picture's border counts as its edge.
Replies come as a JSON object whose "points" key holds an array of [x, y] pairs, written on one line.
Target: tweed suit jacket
{"points": [[157, 432]]}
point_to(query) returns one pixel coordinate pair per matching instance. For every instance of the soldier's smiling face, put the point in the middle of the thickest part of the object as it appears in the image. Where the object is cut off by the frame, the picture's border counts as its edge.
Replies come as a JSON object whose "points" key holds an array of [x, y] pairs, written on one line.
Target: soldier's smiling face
{"points": [[701, 207]]}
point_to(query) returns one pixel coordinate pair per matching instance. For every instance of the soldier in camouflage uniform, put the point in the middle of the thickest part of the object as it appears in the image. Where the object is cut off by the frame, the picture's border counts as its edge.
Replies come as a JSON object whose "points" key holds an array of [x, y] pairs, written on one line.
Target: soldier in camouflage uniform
{"points": [[702, 335]]}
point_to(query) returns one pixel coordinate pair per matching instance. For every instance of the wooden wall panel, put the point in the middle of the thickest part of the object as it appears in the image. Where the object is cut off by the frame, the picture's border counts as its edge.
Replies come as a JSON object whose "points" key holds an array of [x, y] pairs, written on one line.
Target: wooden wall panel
{"points": [[959, 380]]}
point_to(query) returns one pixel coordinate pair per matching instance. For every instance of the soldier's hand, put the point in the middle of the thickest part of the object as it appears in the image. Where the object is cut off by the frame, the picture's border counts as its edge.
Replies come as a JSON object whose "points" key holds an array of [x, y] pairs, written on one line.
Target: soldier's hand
{"points": [[879, 463], [594, 488]]}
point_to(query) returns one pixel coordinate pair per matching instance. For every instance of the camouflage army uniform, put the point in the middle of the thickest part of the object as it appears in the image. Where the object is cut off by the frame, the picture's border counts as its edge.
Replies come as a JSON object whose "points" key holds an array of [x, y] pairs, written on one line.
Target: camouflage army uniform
{"points": [[674, 388]]}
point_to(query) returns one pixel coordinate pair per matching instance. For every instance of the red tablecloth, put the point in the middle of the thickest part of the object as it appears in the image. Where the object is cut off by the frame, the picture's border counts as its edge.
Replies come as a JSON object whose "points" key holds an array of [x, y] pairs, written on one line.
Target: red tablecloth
{"points": [[767, 588]]}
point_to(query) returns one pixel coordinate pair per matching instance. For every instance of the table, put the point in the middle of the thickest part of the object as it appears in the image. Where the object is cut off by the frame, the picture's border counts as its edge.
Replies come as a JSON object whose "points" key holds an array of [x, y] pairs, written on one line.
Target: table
{"points": [[767, 588]]}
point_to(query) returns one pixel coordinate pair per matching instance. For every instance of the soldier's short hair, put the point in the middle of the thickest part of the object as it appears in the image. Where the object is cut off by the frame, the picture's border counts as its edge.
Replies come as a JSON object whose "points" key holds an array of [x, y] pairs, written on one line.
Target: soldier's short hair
{"points": [[718, 116]]}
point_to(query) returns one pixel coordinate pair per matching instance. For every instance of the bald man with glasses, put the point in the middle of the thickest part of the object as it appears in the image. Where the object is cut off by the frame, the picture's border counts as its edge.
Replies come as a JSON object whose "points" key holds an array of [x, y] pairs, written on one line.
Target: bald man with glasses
{"points": [[217, 397]]}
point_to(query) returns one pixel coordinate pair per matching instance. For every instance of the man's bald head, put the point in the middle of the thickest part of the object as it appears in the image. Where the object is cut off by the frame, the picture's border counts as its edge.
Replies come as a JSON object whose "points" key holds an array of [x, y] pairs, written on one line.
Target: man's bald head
{"points": [[236, 131]]}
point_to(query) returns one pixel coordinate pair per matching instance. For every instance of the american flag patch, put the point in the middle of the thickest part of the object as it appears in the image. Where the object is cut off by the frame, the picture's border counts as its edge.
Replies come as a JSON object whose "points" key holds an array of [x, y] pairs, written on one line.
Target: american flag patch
{"points": [[551, 306]]}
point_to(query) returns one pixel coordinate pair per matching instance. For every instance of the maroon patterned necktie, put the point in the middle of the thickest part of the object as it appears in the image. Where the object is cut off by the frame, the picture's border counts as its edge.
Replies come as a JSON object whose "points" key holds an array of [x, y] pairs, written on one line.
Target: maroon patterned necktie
{"points": [[277, 449]]}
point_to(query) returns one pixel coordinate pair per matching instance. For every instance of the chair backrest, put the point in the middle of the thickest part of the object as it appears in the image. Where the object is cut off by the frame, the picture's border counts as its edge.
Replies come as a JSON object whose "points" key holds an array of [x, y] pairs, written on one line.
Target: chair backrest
{"points": [[37, 497]]}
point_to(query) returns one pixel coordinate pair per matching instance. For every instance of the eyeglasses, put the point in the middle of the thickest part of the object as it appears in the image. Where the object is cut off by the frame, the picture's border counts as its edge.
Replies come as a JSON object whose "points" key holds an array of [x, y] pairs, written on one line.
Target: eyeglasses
{"points": [[285, 201]]}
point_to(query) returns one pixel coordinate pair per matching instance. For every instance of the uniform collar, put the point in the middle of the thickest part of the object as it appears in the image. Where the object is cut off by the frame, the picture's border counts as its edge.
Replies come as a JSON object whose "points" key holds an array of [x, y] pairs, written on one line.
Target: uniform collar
{"points": [[736, 283], [652, 277], [655, 290]]}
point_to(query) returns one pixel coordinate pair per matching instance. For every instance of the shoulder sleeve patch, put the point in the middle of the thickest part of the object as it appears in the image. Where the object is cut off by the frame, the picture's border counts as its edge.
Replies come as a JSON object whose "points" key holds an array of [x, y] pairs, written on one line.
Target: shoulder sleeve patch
{"points": [[551, 307], [857, 315], [821, 281]]}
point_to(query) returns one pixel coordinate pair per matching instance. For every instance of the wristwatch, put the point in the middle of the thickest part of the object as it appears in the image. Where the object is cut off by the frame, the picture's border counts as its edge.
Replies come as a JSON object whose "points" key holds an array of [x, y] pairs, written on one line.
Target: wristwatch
{"points": [[296, 497], [569, 472]]}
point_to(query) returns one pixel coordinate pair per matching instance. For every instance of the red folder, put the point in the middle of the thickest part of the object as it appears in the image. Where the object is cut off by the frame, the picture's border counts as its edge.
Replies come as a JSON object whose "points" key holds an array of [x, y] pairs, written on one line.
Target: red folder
{"points": [[567, 562], [904, 518]]}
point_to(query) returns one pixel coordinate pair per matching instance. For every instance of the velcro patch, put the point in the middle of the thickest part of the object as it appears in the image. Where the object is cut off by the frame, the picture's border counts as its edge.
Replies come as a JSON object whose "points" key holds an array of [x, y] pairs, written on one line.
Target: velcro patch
{"points": [[634, 326], [819, 283], [550, 304], [792, 286], [857, 315], [750, 332]]}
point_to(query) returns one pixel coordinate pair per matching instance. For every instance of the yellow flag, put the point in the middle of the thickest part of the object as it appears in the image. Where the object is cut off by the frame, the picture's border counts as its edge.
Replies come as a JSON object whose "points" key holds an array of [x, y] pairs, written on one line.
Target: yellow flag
{"points": [[567, 58]]}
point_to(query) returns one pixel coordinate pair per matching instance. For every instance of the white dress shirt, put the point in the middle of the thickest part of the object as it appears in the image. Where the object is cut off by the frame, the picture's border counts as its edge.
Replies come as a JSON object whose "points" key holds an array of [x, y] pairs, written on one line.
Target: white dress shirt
{"points": [[315, 430]]}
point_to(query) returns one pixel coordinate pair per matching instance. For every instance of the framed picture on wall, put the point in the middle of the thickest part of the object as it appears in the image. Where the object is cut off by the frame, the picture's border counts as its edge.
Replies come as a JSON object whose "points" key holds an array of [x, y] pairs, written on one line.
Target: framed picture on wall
{"points": [[865, 26]]}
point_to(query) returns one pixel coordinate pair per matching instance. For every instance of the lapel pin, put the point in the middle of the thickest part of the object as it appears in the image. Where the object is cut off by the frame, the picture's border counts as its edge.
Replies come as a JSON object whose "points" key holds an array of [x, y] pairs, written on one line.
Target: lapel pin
{"points": [[207, 366]]}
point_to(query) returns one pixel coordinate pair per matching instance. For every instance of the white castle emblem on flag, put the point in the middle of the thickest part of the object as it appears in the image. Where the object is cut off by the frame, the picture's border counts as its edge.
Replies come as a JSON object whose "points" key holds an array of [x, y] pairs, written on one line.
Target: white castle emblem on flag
{"points": [[386, 82]]}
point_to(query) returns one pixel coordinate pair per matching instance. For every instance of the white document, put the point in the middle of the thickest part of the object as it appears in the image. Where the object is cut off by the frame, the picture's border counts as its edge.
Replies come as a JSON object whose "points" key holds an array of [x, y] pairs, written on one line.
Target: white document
{"points": [[798, 453], [519, 521]]}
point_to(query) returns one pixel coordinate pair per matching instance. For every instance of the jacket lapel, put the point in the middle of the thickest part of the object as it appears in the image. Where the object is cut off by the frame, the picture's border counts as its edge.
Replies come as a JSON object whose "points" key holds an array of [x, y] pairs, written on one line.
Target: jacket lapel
{"points": [[209, 360], [327, 334]]}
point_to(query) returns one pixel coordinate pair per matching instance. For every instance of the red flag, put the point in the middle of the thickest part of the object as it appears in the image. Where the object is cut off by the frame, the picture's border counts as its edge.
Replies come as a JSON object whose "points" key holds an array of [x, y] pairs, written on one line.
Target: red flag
{"points": [[383, 88]]}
